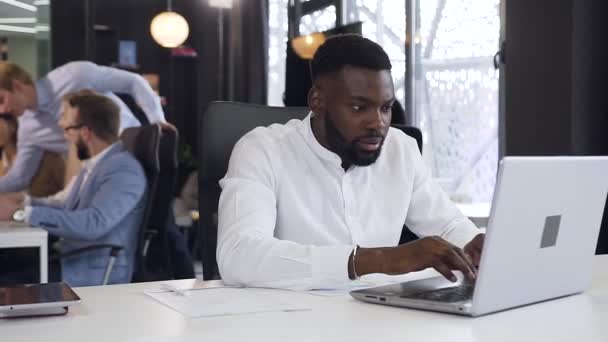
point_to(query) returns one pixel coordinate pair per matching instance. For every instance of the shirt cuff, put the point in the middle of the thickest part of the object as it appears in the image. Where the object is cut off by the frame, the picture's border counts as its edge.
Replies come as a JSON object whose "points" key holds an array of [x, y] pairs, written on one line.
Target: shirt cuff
{"points": [[28, 212], [330, 266], [463, 233], [27, 200]]}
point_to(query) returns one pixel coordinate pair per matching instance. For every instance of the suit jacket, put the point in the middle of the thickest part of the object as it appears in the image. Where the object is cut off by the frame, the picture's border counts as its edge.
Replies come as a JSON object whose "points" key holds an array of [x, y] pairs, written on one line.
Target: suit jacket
{"points": [[106, 209]]}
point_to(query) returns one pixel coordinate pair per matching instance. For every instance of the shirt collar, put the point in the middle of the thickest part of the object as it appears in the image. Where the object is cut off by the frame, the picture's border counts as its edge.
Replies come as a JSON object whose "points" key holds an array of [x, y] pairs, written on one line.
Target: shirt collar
{"points": [[90, 163], [43, 92], [318, 149]]}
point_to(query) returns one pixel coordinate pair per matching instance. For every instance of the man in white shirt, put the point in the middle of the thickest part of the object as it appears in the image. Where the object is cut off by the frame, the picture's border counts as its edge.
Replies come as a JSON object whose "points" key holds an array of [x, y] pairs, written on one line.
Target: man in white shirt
{"points": [[318, 202], [38, 107]]}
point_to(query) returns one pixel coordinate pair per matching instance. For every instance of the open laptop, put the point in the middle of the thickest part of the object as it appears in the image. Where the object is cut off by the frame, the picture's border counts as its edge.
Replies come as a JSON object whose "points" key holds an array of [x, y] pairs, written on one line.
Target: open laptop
{"points": [[36, 300], [540, 241]]}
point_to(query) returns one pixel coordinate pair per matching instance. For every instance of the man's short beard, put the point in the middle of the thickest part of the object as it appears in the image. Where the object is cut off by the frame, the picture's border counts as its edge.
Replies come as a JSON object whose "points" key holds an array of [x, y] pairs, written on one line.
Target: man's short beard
{"points": [[82, 151], [349, 152]]}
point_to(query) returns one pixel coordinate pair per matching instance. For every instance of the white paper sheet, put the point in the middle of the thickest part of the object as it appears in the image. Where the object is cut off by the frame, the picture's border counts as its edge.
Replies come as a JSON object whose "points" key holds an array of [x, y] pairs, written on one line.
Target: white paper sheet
{"points": [[223, 301]]}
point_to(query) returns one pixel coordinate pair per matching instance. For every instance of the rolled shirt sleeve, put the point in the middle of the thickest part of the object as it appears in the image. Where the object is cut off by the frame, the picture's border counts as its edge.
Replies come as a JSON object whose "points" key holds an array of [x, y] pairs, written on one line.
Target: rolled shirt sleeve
{"points": [[431, 212]]}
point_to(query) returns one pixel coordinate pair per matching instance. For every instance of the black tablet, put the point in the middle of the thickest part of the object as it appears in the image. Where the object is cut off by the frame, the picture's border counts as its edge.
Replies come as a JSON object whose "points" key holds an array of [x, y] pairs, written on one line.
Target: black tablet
{"points": [[36, 300]]}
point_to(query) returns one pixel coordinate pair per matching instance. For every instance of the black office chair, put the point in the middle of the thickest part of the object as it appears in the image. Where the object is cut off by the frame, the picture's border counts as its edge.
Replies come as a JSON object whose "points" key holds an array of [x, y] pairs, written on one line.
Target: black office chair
{"points": [[159, 264], [414, 132], [220, 127], [143, 143]]}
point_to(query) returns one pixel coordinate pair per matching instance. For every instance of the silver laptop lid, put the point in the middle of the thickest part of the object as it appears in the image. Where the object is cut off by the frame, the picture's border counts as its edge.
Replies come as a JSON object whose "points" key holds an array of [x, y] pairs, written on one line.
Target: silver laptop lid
{"points": [[543, 229]]}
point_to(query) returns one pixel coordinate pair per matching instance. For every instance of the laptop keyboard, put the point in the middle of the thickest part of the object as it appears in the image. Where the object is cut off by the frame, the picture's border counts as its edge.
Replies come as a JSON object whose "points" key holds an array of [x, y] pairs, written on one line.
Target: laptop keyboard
{"points": [[447, 294]]}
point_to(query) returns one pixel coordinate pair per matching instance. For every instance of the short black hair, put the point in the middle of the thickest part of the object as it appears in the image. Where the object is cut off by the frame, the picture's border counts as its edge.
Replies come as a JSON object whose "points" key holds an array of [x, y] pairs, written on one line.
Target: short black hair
{"points": [[348, 49]]}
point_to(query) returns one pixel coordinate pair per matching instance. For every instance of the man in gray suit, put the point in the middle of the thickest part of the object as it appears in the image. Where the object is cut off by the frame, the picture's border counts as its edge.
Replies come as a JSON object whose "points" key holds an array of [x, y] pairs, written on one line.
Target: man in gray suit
{"points": [[102, 205]]}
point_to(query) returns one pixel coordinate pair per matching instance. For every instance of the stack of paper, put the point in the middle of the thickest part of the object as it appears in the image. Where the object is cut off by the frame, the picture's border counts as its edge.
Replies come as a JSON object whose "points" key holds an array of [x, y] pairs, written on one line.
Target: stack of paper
{"points": [[222, 301]]}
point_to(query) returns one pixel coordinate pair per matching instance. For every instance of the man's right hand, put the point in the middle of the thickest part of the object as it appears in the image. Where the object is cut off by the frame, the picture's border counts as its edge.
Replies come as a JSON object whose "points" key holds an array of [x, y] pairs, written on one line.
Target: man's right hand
{"points": [[415, 256]]}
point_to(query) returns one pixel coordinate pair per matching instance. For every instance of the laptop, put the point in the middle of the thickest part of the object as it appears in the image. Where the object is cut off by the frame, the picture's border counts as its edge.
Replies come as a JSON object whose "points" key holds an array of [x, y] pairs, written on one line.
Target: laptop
{"points": [[539, 245], [36, 300]]}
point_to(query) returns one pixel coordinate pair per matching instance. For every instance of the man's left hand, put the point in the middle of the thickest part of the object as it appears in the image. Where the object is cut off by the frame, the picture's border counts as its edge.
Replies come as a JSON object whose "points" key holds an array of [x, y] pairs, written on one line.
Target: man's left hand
{"points": [[9, 203], [473, 249]]}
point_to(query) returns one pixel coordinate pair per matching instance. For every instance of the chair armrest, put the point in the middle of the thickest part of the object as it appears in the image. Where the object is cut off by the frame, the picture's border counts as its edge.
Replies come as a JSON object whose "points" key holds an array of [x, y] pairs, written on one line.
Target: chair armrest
{"points": [[148, 235], [114, 249]]}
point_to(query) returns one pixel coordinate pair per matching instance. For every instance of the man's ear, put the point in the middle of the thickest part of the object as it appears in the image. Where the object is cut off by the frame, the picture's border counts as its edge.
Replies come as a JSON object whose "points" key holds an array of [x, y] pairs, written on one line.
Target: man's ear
{"points": [[315, 100], [86, 133], [17, 86]]}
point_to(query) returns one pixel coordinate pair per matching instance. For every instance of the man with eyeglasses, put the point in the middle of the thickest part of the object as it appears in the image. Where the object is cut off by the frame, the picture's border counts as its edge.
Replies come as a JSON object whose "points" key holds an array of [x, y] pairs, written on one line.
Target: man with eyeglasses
{"points": [[102, 205], [38, 107]]}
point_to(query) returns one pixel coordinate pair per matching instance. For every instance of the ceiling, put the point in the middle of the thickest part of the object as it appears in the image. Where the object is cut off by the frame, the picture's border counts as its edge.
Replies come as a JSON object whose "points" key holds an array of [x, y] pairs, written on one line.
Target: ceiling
{"points": [[14, 17]]}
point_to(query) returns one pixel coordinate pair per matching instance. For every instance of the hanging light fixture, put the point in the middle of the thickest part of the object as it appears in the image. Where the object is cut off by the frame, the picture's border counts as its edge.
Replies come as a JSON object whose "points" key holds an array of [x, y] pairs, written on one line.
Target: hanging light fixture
{"points": [[169, 29], [306, 46]]}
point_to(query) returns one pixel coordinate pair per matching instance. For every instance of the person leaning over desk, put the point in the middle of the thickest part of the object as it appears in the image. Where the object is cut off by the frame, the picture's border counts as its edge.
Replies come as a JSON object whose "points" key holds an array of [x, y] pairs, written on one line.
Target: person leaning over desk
{"points": [[317, 202], [48, 179], [38, 107]]}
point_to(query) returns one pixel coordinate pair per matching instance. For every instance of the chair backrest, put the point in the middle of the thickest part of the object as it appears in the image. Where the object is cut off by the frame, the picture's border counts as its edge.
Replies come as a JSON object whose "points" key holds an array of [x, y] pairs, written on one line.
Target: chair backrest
{"points": [[413, 132], [143, 143], [159, 266], [220, 127]]}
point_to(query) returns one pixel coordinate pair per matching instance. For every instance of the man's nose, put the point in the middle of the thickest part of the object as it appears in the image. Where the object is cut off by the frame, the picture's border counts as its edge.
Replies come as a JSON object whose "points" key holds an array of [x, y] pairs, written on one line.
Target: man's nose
{"points": [[376, 120]]}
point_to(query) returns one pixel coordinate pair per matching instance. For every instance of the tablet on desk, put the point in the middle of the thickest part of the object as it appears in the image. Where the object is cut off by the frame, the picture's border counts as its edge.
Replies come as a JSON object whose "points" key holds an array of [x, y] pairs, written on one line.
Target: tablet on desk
{"points": [[36, 300]]}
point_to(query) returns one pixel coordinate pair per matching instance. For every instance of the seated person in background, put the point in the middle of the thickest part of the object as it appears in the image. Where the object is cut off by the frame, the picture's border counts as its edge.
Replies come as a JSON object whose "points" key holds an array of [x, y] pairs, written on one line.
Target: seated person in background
{"points": [[102, 205], [315, 203], [185, 207], [38, 107], [48, 179]]}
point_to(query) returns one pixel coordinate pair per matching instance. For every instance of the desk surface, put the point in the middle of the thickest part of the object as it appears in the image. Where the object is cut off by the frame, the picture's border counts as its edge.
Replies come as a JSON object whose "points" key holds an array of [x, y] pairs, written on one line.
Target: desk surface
{"points": [[14, 234], [124, 313]]}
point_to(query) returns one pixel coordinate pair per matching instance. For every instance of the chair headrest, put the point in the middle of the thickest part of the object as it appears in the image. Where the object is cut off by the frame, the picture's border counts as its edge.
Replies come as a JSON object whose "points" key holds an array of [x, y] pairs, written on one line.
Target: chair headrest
{"points": [[224, 123]]}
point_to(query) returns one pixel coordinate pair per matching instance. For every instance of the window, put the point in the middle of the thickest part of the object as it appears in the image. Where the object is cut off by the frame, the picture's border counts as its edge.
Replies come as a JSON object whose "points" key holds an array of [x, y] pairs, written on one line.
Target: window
{"points": [[277, 40], [456, 94]]}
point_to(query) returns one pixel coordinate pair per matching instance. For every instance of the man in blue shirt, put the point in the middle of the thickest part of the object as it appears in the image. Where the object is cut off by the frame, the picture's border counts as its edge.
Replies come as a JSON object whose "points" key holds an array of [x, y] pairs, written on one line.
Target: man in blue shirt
{"points": [[103, 205], [38, 107]]}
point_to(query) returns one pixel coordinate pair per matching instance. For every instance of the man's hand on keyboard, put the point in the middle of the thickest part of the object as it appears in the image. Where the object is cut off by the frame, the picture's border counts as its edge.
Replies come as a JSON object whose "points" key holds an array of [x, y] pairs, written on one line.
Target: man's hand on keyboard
{"points": [[473, 249]]}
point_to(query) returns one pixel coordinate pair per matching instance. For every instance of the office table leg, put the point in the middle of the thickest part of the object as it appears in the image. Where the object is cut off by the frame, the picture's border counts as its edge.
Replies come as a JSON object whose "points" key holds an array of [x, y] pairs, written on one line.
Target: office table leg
{"points": [[44, 264]]}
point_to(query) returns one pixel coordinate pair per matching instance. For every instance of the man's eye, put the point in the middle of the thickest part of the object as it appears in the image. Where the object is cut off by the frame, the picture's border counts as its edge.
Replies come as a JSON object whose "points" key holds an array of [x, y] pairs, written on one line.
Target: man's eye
{"points": [[357, 108], [386, 109]]}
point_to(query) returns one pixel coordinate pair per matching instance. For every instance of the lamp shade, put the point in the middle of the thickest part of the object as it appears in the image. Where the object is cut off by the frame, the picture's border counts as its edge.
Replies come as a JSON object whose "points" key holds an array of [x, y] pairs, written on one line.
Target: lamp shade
{"points": [[169, 29], [306, 46]]}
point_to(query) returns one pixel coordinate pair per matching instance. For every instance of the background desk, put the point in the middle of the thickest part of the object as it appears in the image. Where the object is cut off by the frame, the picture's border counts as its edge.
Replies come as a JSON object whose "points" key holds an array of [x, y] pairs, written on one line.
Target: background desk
{"points": [[15, 235], [124, 313]]}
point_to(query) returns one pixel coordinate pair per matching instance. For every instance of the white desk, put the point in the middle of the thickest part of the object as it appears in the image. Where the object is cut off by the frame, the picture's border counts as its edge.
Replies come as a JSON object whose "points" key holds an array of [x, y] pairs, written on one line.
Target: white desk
{"points": [[124, 313], [16, 235]]}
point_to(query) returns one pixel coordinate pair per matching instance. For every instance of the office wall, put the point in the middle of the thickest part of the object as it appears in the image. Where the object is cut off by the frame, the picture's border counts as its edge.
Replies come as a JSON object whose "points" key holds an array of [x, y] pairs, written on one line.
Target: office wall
{"points": [[590, 78], [555, 81], [23, 51], [555, 78]]}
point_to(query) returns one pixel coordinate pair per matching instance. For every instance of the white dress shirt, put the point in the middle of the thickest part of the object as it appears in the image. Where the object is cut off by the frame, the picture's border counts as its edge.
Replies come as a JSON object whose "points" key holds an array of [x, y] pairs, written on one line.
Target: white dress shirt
{"points": [[39, 130], [289, 215]]}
